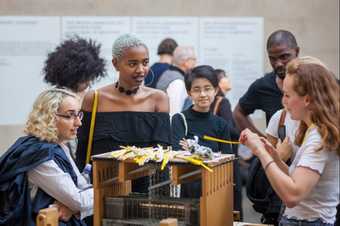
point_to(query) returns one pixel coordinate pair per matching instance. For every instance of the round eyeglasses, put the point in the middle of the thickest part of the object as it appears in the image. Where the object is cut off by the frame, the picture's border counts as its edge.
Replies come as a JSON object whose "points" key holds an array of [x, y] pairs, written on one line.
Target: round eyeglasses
{"points": [[72, 115]]}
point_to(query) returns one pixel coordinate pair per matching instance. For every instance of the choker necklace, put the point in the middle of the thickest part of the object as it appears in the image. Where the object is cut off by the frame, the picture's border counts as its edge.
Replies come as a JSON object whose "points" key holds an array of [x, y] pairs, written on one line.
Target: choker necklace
{"points": [[126, 91]]}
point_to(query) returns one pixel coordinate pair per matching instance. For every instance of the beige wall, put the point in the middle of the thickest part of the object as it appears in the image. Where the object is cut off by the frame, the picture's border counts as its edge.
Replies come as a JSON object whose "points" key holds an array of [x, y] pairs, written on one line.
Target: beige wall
{"points": [[8, 135], [314, 22]]}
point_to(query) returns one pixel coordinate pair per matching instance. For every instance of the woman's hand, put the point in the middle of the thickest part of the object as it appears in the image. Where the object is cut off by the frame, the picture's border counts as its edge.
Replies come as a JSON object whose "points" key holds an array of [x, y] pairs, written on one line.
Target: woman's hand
{"points": [[64, 212], [271, 149], [284, 149], [252, 141]]}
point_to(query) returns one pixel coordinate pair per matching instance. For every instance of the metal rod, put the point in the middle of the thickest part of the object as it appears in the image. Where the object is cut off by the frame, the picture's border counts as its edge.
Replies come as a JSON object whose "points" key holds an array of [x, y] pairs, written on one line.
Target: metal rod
{"points": [[186, 175], [140, 169]]}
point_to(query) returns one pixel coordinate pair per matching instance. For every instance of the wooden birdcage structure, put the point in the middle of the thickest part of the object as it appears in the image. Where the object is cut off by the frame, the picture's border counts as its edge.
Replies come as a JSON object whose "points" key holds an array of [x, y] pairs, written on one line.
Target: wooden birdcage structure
{"points": [[112, 191]]}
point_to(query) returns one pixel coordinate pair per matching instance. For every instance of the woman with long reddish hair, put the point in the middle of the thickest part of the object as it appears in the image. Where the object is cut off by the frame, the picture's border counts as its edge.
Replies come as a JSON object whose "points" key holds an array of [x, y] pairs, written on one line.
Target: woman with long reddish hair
{"points": [[310, 186]]}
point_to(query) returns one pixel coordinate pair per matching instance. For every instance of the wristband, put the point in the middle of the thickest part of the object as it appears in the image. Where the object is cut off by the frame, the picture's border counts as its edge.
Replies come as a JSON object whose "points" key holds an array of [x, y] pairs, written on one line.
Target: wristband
{"points": [[268, 164]]}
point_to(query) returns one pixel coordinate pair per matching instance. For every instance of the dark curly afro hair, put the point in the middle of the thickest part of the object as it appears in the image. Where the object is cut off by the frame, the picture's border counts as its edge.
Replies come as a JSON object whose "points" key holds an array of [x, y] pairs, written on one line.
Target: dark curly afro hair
{"points": [[74, 62]]}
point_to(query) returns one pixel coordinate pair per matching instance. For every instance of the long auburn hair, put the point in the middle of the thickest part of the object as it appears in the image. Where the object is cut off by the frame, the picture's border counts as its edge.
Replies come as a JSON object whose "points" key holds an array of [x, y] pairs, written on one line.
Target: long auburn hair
{"points": [[311, 77]]}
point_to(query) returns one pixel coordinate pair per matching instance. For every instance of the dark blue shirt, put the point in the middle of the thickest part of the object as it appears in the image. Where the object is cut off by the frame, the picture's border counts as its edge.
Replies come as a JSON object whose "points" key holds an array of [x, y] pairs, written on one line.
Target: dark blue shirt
{"points": [[155, 72]]}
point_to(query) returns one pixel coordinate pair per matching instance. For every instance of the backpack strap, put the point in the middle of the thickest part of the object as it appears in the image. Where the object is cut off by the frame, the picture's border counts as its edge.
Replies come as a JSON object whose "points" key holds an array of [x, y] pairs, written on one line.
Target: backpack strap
{"points": [[217, 104], [282, 127], [185, 123], [282, 117], [93, 122]]}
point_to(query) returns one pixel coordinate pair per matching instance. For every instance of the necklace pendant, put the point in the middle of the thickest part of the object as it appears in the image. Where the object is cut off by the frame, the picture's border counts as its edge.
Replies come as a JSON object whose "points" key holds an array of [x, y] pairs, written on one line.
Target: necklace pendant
{"points": [[126, 91]]}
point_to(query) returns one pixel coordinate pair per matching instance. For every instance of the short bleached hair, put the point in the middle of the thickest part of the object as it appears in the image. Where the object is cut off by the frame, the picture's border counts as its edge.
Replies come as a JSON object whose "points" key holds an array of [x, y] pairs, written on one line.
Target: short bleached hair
{"points": [[41, 121], [124, 42]]}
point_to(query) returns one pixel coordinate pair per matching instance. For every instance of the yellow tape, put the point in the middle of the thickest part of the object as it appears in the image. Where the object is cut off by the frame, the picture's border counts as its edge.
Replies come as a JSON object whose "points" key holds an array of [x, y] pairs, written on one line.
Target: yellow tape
{"points": [[165, 160], [197, 162], [205, 137]]}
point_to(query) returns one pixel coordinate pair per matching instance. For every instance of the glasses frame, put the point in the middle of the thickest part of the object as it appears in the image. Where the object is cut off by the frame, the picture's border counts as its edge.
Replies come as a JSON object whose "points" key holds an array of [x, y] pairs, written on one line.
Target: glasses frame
{"points": [[206, 90], [72, 115]]}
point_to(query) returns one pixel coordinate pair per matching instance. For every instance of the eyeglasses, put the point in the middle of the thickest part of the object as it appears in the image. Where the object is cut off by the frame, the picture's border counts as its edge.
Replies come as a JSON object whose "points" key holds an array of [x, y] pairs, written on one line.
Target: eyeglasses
{"points": [[72, 115], [206, 90]]}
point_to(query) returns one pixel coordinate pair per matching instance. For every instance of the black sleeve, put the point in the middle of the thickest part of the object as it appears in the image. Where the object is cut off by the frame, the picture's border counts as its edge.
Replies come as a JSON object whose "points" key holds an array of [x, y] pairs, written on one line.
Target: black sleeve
{"points": [[226, 114], [250, 101], [225, 148], [225, 110], [177, 131]]}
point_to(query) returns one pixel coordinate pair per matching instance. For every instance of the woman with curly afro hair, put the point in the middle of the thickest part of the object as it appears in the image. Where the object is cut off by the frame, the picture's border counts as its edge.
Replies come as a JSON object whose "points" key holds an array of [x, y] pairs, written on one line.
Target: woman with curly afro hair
{"points": [[74, 65]]}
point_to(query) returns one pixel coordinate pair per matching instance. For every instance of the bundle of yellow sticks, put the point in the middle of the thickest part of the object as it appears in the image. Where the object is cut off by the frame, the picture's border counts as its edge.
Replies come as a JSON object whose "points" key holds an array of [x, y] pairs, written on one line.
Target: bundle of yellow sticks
{"points": [[156, 154]]}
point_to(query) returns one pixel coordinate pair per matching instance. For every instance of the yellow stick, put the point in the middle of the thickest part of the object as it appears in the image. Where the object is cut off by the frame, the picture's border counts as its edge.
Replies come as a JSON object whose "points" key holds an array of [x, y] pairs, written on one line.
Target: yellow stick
{"points": [[205, 137]]}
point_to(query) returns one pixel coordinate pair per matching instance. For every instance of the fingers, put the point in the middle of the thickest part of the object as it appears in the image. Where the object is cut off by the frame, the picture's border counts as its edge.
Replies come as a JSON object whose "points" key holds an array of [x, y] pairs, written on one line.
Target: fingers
{"points": [[243, 136], [285, 149], [269, 148], [264, 140], [64, 212], [184, 144]]}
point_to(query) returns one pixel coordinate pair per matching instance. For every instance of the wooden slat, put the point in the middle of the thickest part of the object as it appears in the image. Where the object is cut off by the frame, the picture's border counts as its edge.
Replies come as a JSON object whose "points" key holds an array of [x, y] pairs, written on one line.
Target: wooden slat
{"points": [[47, 217]]}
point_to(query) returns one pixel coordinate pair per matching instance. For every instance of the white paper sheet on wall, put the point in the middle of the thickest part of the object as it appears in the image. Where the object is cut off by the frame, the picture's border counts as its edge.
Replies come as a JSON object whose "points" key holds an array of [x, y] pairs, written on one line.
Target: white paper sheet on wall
{"points": [[24, 44], [152, 30], [233, 44]]}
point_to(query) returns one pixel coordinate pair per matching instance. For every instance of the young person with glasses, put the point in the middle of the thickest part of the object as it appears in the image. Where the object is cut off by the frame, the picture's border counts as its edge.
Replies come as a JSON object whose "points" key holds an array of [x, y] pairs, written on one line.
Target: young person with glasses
{"points": [[198, 120]]}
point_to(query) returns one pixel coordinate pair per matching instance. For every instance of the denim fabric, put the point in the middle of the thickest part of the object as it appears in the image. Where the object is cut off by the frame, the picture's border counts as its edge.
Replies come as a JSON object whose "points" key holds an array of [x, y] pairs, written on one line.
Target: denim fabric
{"points": [[294, 222]]}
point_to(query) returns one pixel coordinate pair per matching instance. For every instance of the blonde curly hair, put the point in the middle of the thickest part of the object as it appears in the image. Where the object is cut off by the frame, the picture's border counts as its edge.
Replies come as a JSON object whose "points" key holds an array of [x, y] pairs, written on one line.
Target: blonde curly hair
{"points": [[41, 121]]}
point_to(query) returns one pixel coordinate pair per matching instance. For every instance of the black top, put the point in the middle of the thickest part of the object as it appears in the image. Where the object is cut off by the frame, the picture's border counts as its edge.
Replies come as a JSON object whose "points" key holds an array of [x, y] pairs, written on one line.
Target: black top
{"points": [[155, 72], [199, 124], [263, 94], [113, 129], [224, 111]]}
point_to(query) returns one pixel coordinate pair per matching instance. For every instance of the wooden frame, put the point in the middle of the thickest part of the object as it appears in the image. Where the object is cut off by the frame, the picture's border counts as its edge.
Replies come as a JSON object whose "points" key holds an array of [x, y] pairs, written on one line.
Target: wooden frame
{"points": [[113, 178]]}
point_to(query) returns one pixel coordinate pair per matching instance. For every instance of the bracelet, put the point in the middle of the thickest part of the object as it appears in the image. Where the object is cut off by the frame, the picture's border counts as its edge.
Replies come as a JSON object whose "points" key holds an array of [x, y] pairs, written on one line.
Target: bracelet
{"points": [[267, 165]]}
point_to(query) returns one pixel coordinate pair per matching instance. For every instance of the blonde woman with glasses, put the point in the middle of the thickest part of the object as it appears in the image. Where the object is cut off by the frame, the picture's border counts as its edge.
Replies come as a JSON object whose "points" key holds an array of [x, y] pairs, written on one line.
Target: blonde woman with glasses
{"points": [[37, 170]]}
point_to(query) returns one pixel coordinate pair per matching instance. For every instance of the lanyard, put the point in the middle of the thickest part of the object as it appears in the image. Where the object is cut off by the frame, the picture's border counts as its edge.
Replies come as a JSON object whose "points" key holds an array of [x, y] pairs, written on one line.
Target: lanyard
{"points": [[307, 132]]}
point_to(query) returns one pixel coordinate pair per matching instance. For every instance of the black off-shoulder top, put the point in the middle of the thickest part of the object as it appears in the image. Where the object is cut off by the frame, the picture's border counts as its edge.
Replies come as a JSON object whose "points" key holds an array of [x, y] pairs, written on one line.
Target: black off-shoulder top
{"points": [[113, 129]]}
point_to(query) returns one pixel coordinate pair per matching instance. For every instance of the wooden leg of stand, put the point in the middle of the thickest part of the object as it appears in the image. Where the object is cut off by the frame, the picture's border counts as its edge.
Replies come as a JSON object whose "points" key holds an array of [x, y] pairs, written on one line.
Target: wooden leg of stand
{"points": [[47, 217]]}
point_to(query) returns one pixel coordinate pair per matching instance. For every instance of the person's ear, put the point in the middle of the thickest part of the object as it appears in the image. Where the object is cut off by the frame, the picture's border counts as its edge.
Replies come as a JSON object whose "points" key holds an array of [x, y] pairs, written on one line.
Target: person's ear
{"points": [[115, 63], [186, 65], [307, 100], [189, 93]]}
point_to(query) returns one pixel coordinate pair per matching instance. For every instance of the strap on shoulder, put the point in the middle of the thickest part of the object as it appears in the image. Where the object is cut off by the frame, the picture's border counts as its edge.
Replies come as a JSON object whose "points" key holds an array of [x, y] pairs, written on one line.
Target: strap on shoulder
{"points": [[217, 104], [93, 122], [282, 118], [184, 122]]}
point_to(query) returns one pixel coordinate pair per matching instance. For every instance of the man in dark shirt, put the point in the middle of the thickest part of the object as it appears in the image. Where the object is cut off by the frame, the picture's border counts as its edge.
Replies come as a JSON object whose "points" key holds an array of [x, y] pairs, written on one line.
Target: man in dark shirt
{"points": [[265, 93]]}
